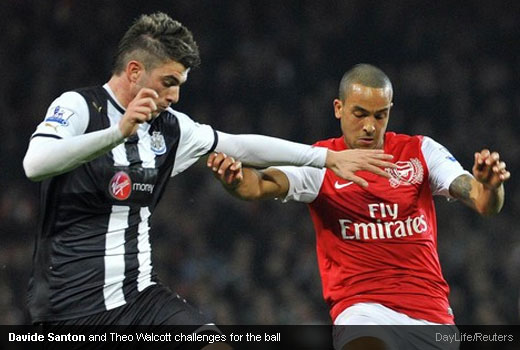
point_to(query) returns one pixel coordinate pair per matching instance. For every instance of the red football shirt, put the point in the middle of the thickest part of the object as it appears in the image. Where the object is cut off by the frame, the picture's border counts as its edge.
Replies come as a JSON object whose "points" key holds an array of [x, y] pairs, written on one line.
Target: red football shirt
{"points": [[379, 244]]}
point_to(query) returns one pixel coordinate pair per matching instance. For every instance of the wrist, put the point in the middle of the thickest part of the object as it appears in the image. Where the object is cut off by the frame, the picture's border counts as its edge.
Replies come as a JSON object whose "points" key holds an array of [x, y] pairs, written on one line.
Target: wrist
{"points": [[489, 187], [330, 159]]}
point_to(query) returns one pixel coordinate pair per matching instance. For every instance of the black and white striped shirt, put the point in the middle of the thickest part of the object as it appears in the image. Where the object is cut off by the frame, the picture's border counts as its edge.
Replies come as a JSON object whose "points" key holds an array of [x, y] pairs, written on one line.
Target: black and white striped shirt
{"points": [[93, 249]]}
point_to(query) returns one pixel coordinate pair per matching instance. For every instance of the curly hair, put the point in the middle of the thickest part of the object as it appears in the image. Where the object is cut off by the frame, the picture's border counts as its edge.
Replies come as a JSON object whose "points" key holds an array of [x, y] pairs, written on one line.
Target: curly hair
{"points": [[156, 38]]}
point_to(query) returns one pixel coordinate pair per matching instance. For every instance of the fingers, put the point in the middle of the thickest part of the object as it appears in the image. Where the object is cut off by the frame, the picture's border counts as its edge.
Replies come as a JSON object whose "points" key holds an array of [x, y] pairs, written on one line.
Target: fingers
{"points": [[382, 164], [376, 170], [146, 92], [226, 168], [505, 176], [358, 180], [489, 169], [143, 104]]}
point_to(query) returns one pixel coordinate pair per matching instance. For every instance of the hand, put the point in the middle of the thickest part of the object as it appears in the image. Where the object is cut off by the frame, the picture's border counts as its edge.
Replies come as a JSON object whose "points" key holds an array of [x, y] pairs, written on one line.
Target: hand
{"points": [[139, 110], [226, 169], [489, 170], [345, 163]]}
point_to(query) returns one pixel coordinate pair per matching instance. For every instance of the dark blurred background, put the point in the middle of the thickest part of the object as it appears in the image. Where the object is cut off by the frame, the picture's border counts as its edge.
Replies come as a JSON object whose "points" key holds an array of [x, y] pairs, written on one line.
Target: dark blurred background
{"points": [[273, 67]]}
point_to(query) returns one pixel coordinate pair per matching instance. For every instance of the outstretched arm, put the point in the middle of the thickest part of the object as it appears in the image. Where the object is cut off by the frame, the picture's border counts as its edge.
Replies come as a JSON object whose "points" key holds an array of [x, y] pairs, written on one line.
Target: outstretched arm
{"points": [[485, 191], [248, 183], [263, 151]]}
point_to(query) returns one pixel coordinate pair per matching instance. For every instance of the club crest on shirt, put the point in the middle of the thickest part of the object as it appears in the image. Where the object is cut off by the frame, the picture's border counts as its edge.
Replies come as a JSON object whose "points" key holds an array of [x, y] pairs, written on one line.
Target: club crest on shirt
{"points": [[120, 186], [157, 143], [60, 116], [407, 173]]}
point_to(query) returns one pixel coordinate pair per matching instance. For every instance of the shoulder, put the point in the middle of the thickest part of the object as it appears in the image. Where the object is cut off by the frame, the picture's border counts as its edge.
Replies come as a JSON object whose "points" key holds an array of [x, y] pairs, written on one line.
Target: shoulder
{"points": [[69, 106], [70, 99], [182, 119]]}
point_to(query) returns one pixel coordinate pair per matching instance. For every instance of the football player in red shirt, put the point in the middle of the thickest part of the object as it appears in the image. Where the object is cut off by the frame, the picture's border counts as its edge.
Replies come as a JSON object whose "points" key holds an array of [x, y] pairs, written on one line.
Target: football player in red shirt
{"points": [[377, 237]]}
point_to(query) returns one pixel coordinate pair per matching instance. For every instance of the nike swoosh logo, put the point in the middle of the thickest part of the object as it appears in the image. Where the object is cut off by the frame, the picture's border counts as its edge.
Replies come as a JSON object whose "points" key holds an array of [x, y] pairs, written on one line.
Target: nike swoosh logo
{"points": [[339, 186]]}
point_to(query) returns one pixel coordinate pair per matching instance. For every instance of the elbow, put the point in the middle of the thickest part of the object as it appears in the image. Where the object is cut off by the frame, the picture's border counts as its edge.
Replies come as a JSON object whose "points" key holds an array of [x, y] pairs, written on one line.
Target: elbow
{"points": [[31, 171], [489, 211], [246, 196], [487, 214]]}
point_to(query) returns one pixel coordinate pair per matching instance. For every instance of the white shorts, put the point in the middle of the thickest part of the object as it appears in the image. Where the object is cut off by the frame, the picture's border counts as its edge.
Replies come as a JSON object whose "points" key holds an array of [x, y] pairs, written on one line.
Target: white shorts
{"points": [[397, 330]]}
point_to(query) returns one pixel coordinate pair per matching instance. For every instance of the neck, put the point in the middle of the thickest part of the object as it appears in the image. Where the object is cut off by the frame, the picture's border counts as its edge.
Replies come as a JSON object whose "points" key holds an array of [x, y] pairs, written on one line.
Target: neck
{"points": [[121, 89]]}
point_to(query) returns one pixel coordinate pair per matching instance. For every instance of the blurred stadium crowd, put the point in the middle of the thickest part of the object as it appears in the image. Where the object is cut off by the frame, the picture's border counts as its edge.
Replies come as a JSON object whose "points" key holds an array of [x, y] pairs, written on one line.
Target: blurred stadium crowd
{"points": [[273, 67]]}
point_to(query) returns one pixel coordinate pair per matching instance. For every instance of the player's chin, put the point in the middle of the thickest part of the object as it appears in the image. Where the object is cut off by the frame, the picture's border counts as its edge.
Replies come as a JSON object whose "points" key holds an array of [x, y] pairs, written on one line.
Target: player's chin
{"points": [[366, 145]]}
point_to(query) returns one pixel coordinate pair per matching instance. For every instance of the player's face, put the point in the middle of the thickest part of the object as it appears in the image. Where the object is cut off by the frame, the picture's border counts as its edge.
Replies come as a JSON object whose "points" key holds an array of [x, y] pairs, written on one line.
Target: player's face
{"points": [[364, 116], [166, 80]]}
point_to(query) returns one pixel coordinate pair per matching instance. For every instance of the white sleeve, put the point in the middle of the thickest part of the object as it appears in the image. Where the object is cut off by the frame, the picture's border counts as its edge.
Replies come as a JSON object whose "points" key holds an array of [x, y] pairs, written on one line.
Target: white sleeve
{"points": [[195, 141], [263, 151], [442, 167], [59, 143], [304, 183], [67, 116]]}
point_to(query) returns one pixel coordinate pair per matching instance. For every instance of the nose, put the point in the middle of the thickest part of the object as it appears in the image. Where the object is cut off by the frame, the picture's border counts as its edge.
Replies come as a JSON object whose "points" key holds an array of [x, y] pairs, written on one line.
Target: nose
{"points": [[369, 127], [173, 94]]}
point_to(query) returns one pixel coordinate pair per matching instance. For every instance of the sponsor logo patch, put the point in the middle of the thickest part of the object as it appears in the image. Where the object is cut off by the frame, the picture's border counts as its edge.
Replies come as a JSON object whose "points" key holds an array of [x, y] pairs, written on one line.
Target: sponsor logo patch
{"points": [[120, 186]]}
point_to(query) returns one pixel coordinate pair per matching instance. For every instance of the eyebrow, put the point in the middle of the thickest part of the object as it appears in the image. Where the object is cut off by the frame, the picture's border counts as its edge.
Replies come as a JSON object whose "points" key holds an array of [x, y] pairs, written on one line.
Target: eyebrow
{"points": [[378, 111]]}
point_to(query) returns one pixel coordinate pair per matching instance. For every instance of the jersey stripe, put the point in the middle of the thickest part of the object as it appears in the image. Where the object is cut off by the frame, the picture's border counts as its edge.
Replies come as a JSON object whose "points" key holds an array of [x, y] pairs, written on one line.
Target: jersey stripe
{"points": [[145, 149], [132, 154], [118, 152], [130, 257], [114, 257], [145, 252]]}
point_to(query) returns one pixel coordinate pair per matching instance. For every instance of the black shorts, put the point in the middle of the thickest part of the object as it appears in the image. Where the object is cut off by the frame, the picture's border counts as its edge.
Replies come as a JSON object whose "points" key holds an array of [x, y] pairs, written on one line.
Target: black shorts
{"points": [[157, 309]]}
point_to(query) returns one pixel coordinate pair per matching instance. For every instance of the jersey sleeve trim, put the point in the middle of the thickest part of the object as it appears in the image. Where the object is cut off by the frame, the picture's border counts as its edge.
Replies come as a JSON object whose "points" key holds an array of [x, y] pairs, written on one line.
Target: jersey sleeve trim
{"points": [[215, 142], [46, 135]]}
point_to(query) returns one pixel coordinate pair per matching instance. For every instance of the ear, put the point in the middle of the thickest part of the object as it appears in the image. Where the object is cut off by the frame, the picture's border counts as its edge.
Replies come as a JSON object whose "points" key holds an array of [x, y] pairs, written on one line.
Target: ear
{"points": [[134, 70], [338, 107]]}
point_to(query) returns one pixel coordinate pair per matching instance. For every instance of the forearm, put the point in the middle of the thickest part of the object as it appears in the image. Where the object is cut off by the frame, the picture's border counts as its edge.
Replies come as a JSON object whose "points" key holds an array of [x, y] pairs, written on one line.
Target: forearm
{"points": [[255, 184], [249, 188], [47, 157], [485, 200], [488, 201], [263, 151]]}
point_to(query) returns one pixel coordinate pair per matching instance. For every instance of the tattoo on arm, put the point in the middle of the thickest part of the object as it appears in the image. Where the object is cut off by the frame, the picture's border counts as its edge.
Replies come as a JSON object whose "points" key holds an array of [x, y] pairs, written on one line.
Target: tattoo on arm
{"points": [[472, 193], [460, 188]]}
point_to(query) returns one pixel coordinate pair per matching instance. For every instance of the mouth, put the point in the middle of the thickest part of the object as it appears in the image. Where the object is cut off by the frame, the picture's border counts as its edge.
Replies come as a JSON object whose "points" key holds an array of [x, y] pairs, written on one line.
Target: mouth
{"points": [[366, 141]]}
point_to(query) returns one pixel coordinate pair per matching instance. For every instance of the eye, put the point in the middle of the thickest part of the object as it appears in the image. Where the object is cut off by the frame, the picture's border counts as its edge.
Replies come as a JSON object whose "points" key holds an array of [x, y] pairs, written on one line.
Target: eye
{"points": [[380, 116], [170, 82]]}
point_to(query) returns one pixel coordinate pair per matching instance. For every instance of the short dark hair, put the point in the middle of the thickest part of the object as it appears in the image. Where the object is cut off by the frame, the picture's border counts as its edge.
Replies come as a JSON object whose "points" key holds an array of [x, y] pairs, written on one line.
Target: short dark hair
{"points": [[366, 75], [156, 38]]}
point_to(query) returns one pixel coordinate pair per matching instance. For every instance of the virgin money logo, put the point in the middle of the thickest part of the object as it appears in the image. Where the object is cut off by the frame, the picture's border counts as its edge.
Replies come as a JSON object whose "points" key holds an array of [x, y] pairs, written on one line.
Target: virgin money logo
{"points": [[120, 186]]}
